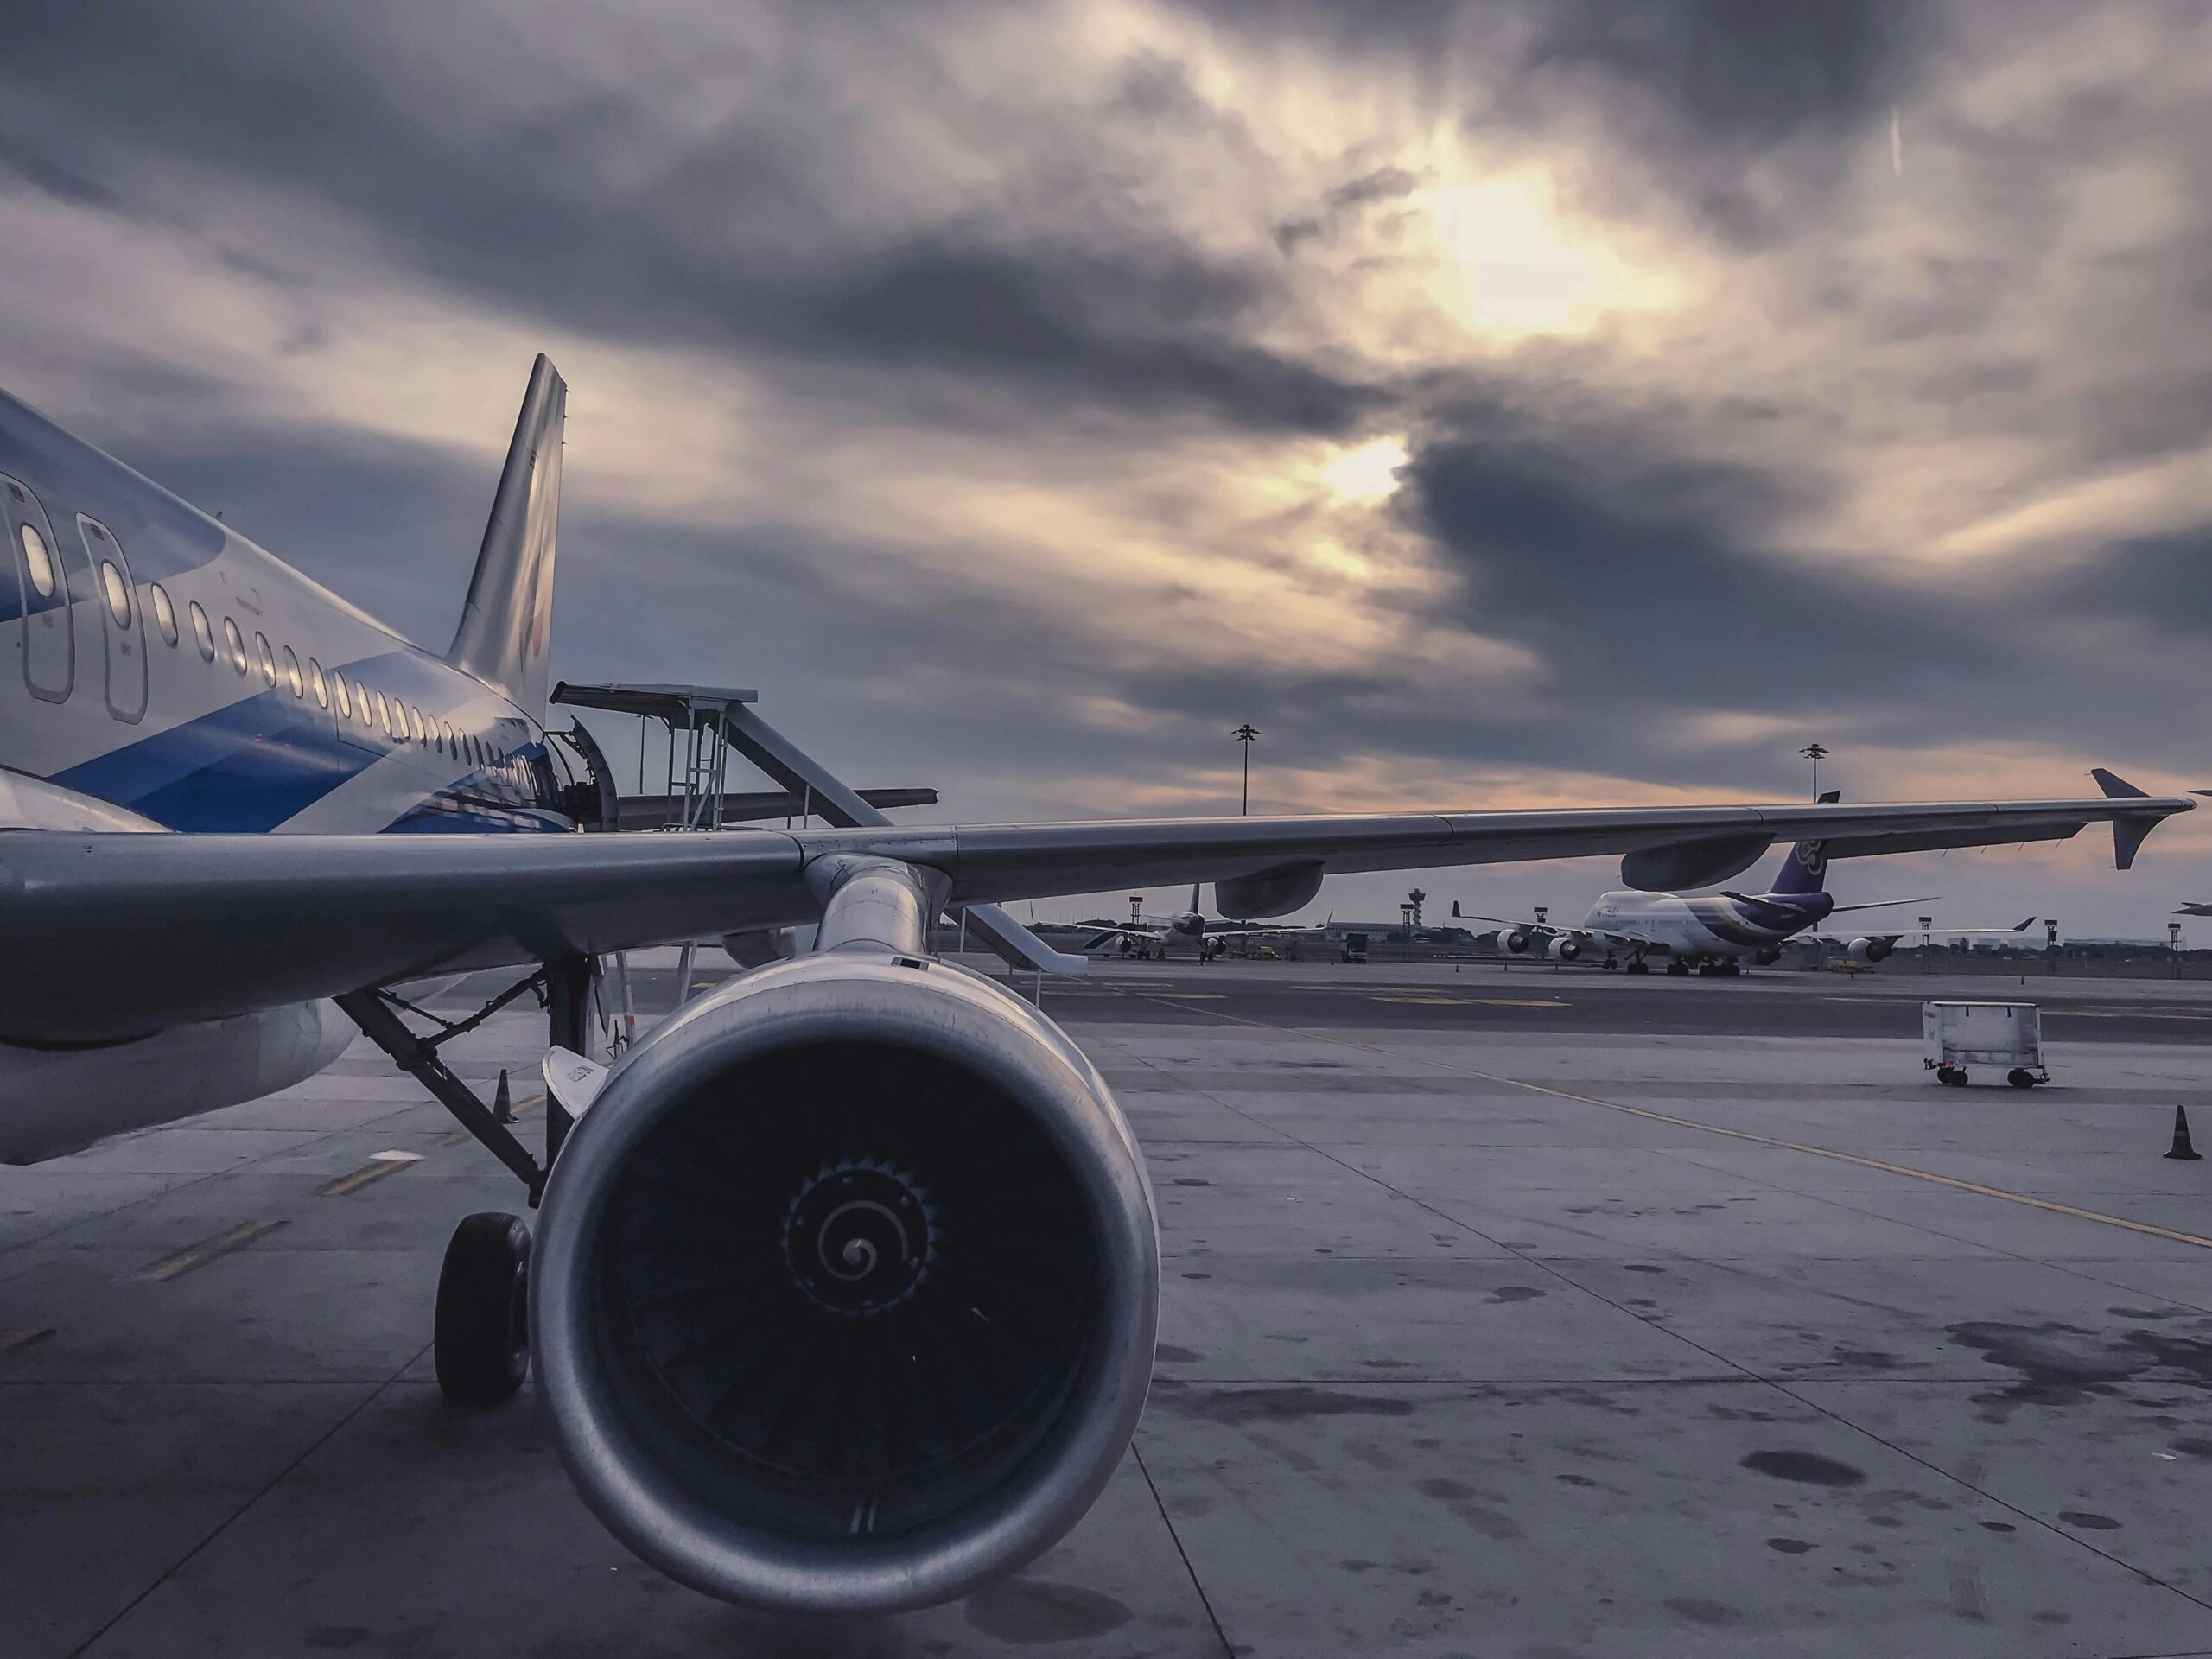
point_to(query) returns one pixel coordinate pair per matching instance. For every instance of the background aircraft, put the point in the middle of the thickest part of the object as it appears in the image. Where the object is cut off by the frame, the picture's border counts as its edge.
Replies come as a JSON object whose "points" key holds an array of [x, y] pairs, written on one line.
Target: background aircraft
{"points": [[1152, 935], [843, 1290], [1713, 933]]}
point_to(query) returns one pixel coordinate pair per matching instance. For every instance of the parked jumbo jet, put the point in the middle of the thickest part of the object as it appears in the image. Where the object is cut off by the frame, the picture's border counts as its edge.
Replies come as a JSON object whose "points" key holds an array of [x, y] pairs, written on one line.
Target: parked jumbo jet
{"points": [[1713, 933], [846, 1276], [1152, 935]]}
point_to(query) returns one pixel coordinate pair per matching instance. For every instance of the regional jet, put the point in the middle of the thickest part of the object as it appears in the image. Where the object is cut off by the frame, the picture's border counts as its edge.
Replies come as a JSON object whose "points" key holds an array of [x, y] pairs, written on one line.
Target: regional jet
{"points": [[843, 1285], [1713, 933]]}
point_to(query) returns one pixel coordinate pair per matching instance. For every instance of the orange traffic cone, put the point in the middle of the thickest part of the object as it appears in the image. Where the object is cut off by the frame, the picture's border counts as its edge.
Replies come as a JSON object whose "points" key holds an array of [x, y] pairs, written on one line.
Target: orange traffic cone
{"points": [[2182, 1149], [503, 1109]]}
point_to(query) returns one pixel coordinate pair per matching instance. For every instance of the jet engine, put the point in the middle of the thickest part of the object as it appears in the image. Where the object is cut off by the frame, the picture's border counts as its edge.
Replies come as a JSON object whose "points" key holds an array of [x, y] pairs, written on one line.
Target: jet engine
{"points": [[1518, 940], [1564, 950], [845, 1287], [1767, 957], [1865, 950]]}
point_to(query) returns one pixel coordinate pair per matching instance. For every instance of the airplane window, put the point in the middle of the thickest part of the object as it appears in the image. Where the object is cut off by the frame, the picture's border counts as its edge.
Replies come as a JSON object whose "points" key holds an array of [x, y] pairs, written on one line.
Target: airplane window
{"points": [[203, 635], [118, 592], [292, 673], [445, 737], [164, 611], [268, 659], [40, 562], [236, 641], [337, 690], [322, 687], [415, 724], [383, 713]]}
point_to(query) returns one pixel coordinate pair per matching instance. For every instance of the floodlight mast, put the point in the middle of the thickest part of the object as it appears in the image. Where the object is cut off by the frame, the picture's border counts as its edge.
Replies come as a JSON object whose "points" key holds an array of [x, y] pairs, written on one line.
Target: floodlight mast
{"points": [[1246, 734]]}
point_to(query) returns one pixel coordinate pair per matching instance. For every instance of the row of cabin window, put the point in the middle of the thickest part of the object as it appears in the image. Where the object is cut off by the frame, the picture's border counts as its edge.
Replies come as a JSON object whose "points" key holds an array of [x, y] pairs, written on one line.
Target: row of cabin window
{"points": [[396, 719]]}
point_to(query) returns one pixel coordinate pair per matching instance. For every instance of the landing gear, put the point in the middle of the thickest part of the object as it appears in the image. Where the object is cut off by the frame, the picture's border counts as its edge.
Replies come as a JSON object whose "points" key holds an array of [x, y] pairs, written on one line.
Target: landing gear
{"points": [[481, 1342], [1677, 968], [1636, 965]]}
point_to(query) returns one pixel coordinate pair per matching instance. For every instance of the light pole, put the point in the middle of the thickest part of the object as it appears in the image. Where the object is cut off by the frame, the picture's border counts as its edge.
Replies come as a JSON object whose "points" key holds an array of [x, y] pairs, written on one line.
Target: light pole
{"points": [[1815, 753], [1245, 735]]}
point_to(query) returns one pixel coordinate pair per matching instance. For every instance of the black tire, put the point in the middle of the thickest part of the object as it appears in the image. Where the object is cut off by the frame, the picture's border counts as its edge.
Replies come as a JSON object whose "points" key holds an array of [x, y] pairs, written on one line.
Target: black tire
{"points": [[1636, 965], [2019, 1078], [482, 1332]]}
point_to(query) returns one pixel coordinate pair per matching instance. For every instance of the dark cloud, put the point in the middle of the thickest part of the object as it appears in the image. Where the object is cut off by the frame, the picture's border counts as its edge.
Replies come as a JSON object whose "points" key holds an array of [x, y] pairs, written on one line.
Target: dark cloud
{"points": [[1745, 73], [542, 193]]}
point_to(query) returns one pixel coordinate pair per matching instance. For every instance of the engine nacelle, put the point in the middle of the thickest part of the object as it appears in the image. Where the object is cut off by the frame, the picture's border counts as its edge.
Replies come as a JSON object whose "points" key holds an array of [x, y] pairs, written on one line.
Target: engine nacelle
{"points": [[845, 1287], [1867, 950], [1518, 940], [1767, 957], [1564, 950]]}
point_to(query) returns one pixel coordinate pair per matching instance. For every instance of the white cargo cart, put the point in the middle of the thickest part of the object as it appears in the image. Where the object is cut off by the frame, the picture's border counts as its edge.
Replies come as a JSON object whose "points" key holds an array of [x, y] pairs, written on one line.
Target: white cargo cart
{"points": [[1957, 1035]]}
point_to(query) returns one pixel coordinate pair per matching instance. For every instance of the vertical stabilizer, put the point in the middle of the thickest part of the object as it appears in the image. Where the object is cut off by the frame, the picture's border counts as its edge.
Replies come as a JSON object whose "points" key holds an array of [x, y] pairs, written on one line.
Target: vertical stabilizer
{"points": [[507, 624], [1806, 869]]}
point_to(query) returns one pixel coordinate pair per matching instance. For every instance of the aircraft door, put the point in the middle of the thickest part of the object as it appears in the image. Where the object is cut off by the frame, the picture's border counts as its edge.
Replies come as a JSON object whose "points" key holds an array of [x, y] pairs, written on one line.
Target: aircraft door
{"points": [[124, 627], [42, 578]]}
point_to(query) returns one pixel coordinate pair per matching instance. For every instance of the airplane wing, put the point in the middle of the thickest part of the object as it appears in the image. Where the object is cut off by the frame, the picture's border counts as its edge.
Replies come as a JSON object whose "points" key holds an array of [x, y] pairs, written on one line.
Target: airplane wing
{"points": [[2020, 926], [107, 935], [1883, 904]]}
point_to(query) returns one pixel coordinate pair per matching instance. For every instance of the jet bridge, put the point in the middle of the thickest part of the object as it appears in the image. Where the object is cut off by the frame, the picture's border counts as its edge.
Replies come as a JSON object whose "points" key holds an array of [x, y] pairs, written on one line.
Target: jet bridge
{"points": [[706, 724]]}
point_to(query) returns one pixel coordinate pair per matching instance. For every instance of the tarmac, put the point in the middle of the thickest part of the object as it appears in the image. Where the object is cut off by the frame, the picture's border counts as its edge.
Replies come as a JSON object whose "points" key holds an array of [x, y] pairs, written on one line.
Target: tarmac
{"points": [[1504, 1314]]}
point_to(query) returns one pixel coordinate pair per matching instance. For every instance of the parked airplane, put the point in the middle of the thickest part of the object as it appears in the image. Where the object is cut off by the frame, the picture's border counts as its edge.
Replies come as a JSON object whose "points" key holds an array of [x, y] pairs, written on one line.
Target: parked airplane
{"points": [[1152, 935], [2191, 908], [843, 1290], [1713, 933]]}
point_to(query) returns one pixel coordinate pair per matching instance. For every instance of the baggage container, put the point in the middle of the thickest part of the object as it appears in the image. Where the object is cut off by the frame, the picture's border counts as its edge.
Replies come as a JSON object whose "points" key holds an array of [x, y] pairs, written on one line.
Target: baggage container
{"points": [[1960, 1035]]}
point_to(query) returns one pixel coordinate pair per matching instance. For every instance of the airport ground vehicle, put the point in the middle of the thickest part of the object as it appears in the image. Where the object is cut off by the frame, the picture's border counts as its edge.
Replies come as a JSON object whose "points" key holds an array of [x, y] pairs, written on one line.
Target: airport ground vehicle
{"points": [[1957, 1036], [241, 813]]}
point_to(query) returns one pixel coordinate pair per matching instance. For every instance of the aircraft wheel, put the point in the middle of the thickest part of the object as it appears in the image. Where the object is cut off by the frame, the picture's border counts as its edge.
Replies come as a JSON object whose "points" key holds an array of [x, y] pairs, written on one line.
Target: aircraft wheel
{"points": [[482, 1330], [1679, 968], [1636, 965]]}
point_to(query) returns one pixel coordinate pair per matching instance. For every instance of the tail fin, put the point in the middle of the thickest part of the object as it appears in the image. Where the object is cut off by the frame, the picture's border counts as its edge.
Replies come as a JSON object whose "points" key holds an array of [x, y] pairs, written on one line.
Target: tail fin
{"points": [[506, 623], [1194, 898], [1806, 869]]}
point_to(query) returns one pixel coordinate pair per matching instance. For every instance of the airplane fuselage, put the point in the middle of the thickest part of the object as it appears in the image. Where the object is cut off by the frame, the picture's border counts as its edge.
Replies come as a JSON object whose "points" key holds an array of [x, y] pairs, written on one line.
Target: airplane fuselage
{"points": [[160, 671], [1710, 924]]}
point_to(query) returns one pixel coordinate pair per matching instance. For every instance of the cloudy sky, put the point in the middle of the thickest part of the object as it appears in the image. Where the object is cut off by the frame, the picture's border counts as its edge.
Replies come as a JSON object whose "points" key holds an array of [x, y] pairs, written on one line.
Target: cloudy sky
{"points": [[1582, 401]]}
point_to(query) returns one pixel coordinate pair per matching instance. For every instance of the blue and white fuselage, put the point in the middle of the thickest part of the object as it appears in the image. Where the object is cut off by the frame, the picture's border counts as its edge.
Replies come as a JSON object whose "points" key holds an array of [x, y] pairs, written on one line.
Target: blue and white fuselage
{"points": [[160, 672], [155, 659]]}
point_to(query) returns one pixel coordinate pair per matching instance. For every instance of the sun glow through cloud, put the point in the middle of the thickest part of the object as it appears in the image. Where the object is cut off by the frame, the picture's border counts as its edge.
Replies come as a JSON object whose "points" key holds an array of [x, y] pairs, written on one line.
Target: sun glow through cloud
{"points": [[1367, 472]]}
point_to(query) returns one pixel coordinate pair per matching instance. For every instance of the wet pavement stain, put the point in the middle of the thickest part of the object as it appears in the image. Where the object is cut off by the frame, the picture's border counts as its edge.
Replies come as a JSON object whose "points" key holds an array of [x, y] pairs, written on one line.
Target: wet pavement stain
{"points": [[1809, 1468], [1174, 1355], [1711, 1614], [1026, 1611], [1789, 1545], [2089, 1520], [1461, 1498], [1233, 1406], [2064, 1364], [1514, 1293]]}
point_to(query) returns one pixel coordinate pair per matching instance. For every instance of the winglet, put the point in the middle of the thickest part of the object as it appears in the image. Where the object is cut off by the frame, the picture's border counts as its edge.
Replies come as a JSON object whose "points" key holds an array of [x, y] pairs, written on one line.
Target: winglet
{"points": [[2128, 832]]}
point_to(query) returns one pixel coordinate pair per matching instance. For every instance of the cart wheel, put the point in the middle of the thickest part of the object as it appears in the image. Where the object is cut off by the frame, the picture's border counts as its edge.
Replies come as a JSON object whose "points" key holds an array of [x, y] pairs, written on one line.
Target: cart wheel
{"points": [[2021, 1078]]}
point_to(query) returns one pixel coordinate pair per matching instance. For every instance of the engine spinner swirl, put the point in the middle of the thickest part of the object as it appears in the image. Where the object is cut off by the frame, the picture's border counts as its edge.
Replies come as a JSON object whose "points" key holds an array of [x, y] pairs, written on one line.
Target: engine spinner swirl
{"points": [[860, 1236]]}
